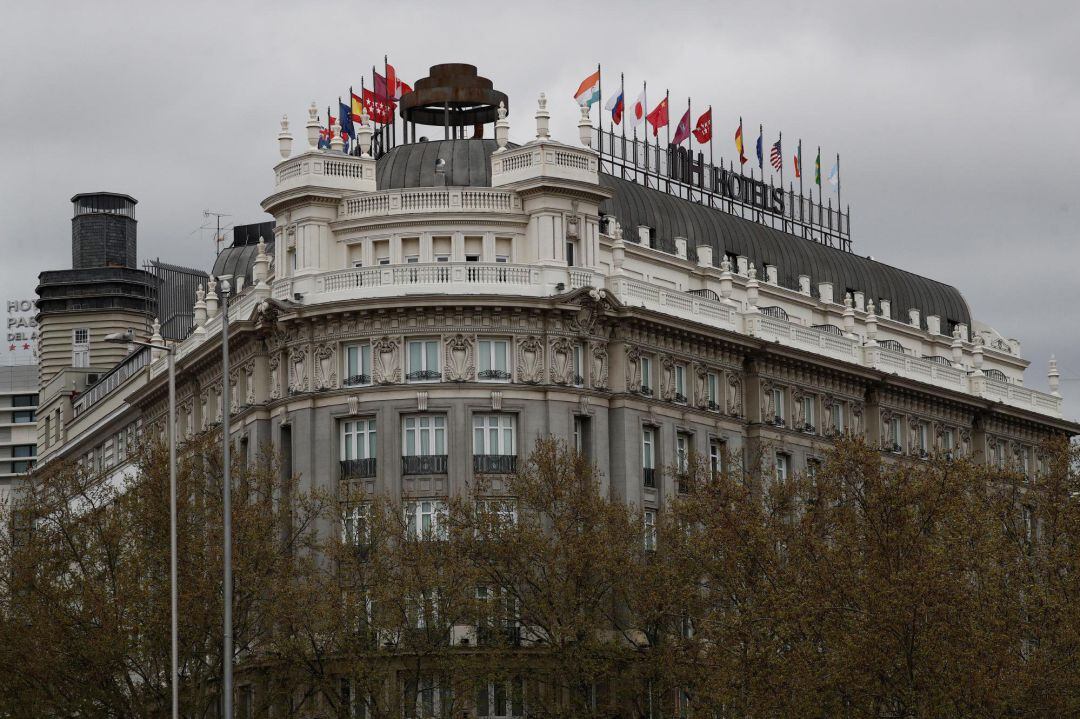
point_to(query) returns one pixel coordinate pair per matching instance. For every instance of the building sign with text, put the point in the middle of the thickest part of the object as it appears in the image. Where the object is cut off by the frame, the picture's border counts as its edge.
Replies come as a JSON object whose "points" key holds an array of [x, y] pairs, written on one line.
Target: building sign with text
{"points": [[21, 326]]}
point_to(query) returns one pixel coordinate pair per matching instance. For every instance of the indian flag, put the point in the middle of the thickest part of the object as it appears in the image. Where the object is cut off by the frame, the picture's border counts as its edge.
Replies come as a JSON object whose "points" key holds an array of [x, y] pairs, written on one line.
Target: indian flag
{"points": [[589, 90]]}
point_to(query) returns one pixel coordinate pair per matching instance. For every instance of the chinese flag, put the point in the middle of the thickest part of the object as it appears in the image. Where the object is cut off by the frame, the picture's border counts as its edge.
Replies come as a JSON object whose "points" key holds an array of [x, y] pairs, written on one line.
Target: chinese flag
{"points": [[658, 117]]}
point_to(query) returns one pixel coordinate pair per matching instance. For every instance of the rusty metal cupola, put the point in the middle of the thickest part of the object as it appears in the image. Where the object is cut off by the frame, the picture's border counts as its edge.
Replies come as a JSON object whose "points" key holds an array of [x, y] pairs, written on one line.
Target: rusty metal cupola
{"points": [[453, 96]]}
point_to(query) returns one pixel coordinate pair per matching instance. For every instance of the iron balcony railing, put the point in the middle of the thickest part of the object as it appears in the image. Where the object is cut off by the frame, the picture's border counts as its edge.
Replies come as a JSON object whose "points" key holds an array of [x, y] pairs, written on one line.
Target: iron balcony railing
{"points": [[358, 468], [494, 463], [493, 374], [422, 374], [424, 464], [357, 379], [648, 474]]}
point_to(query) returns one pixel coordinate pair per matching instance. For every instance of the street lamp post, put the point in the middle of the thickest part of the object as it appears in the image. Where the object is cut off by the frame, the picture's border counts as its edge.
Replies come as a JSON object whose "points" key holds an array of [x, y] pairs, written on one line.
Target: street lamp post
{"points": [[129, 338], [227, 648]]}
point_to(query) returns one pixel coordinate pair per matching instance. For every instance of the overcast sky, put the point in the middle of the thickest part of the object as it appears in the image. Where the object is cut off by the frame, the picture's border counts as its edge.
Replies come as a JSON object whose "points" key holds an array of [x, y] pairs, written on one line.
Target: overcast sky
{"points": [[955, 122]]}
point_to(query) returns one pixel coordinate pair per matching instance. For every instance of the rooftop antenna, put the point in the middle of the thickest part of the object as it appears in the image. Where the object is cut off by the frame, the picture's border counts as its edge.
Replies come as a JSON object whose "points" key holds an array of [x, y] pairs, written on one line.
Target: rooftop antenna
{"points": [[218, 237]]}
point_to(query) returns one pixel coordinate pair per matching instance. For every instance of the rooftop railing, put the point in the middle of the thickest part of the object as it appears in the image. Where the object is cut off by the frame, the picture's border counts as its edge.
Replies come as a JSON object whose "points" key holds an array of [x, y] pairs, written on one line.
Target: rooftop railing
{"points": [[428, 200], [113, 379]]}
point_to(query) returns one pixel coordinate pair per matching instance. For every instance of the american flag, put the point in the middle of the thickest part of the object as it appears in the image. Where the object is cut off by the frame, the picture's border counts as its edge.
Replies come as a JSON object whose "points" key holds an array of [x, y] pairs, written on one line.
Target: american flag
{"points": [[776, 157]]}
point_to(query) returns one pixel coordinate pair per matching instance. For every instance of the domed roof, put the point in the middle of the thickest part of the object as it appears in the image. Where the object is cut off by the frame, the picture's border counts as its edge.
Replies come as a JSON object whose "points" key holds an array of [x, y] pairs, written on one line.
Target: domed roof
{"points": [[467, 164]]}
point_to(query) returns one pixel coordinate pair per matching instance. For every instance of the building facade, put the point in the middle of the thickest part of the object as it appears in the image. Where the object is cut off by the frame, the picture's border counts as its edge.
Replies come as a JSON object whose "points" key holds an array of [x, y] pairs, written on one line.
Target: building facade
{"points": [[420, 318], [18, 428]]}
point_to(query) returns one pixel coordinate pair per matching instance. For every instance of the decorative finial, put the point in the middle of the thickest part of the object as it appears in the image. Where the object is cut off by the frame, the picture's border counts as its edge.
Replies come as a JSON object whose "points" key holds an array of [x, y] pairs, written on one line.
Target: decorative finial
{"points": [[337, 144], [314, 127], [285, 138], [543, 118], [616, 230], [313, 112], [200, 293], [501, 111], [870, 309], [502, 128], [752, 272], [284, 123], [211, 286], [1054, 377], [848, 301], [585, 127]]}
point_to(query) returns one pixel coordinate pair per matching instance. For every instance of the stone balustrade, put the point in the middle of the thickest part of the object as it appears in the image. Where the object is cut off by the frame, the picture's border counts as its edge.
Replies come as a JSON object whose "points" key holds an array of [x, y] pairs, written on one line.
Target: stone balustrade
{"points": [[332, 171], [547, 159], [428, 200]]}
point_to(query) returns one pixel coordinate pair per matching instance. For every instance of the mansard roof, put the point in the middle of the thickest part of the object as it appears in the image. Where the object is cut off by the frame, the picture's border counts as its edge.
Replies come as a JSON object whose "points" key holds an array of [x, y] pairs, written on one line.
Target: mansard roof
{"points": [[468, 164]]}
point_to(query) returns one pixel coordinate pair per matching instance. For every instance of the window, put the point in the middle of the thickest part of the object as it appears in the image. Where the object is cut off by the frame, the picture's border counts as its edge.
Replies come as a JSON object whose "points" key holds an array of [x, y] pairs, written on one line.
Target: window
{"points": [[1025, 461], [500, 699], [472, 258], [494, 448], [836, 416], [383, 261], [358, 364], [424, 444], [354, 704], [648, 456], [424, 517], [922, 439], [809, 420], [442, 258], [571, 253], [896, 434], [581, 434], [245, 702], [650, 530], [712, 391], [358, 441], [423, 699], [778, 417], [716, 455], [23, 416], [21, 452], [412, 259], [121, 445], [494, 360], [356, 523], [948, 442], [646, 375], [999, 454], [813, 465], [80, 347], [579, 365], [782, 466], [423, 360], [680, 383], [682, 452], [24, 400]]}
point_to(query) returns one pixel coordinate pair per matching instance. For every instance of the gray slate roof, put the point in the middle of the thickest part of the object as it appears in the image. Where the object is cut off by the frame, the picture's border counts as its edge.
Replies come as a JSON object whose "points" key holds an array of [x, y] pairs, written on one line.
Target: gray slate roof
{"points": [[468, 164]]}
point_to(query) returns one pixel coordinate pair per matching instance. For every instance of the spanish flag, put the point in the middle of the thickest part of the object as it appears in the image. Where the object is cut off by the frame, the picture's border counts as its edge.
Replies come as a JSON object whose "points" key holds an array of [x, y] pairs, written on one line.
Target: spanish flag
{"points": [[739, 145], [357, 107]]}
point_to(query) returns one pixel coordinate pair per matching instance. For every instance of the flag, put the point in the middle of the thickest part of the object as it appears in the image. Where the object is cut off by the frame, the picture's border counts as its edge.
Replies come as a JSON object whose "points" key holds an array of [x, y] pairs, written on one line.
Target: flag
{"points": [[682, 131], [379, 109], [739, 144], [658, 116], [639, 108], [615, 106], [703, 129], [776, 157], [588, 91], [760, 140], [347, 131], [325, 135], [380, 86], [834, 174], [798, 166], [357, 107], [817, 168], [394, 84]]}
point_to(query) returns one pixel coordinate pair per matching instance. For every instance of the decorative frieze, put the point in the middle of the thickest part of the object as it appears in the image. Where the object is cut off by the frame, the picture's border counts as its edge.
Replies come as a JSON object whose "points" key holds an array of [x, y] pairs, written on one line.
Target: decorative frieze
{"points": [[599, 369], [460, 365], [562, 361], [386, 360], [325, 362], [530, 360], [298, 372]]}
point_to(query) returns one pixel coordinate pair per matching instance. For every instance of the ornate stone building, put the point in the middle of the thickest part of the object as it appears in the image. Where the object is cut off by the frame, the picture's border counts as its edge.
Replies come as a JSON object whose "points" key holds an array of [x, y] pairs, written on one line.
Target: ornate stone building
{"points": [[421, 317]]}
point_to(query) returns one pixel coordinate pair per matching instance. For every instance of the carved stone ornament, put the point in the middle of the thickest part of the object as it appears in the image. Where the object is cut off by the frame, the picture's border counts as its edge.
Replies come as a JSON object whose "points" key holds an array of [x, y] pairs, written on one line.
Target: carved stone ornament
{"points": [[701, 385], [667, 377], [886, 427], [275, 375], [386, 360], [530, 360], [325, 366], [797, 409], [204, 407], [460, 366], [573, 227], [965, 441], [249, 383], [768, 412], [633, 369], [219, 407], [298, 375], [599, 369], [186, 410], [562, 361], [735, 395], [234, 389]]}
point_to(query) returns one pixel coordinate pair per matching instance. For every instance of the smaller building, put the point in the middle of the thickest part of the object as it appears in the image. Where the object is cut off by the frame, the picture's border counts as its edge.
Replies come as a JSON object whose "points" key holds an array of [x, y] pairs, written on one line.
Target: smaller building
{"points": [[18, 428]]}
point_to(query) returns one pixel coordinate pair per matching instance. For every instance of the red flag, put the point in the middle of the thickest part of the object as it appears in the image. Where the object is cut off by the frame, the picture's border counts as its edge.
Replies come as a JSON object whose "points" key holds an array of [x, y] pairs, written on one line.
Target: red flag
{"points": [[739, 143], [379, 109], [402, 89], [391, 81], [703, 129], [798, 167], [658, 117], [682, 132], [380, 86]]}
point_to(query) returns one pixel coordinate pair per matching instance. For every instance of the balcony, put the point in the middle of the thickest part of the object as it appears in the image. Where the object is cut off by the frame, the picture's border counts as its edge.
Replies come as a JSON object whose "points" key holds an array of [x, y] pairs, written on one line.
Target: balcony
{"points": [[493, 374], [357, 380], [358, 468], [423, 375], [424, 464], [495, 463], [424, 201], [648, 475], [429, 278]]}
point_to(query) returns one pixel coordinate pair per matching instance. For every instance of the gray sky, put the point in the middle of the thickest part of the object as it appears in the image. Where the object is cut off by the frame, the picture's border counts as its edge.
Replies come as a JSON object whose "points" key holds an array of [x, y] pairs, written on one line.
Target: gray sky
{"points": [[955, 121]]}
